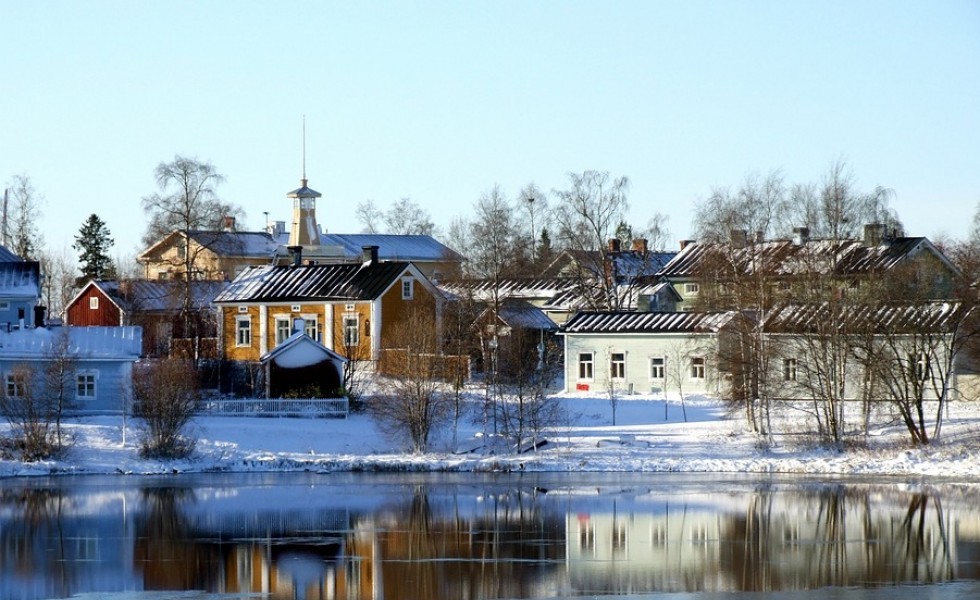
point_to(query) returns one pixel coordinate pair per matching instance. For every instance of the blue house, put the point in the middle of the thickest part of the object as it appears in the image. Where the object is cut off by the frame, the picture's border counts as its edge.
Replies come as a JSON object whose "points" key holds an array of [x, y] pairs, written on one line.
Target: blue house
{"points": [[99, 377], [20, 289]]}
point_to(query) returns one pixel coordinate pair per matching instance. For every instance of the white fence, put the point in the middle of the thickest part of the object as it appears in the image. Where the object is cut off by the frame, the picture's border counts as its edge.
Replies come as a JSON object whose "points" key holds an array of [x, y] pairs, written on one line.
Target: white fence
{"points": [[276, 407]]}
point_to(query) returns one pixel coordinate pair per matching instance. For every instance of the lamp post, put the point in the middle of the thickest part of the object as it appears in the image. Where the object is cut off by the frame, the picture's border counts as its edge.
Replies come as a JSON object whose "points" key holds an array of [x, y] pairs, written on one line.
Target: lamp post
{"points": [[530, 210], [493, 344]]}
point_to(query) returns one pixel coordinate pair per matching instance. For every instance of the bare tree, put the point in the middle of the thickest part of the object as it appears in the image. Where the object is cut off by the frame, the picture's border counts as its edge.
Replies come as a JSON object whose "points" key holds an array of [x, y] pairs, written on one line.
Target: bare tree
{"points": [[22, 218], [528, 362], [29, 413], [404, 217], [413, 401], [587, 216], [58, 379], [59, 283], [187, 202], [165, 395], [753, 208]]}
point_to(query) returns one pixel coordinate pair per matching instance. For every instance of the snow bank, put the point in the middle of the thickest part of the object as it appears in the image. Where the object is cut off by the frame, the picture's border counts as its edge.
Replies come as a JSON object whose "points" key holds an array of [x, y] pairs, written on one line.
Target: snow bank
{"points": [[650, 435]]}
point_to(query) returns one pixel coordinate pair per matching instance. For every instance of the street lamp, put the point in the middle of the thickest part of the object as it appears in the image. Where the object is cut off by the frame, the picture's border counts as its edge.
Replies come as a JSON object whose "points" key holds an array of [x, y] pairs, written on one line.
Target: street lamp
{"points": [[530, 210]]}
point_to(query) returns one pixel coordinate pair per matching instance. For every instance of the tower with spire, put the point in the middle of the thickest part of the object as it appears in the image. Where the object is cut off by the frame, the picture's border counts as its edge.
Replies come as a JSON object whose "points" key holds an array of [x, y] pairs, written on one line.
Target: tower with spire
{"points": [[304, 230]]}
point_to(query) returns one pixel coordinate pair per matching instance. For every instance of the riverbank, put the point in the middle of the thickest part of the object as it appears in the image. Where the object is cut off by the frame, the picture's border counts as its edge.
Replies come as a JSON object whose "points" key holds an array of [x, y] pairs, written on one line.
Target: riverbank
{"points": [[650, 434]]}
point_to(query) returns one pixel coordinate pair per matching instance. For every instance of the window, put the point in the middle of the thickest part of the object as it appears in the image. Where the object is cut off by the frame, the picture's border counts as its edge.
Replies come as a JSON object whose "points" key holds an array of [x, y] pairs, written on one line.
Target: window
{"points": [[692, 288], [789, 369], [697, 367], [283, 329], [309, 326], [14, 387], [85, 386], [243, 331], [657, 368], [585, 364], [351, 330], [617, 365], [93, 303], [408, 288], [4, 305], [918, 366]]}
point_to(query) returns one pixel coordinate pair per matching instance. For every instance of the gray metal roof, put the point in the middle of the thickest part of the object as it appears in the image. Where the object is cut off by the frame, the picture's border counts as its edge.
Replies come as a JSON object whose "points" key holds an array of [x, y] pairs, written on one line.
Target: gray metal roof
{"points": [[784, 258], [522, 315], [248, 244], [143, 295], [933, 317], [284, 283], [606, 322], [406, 248]]}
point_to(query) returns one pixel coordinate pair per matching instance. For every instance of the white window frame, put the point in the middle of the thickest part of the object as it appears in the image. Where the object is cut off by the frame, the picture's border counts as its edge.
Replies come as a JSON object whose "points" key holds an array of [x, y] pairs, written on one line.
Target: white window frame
{"points": [[5, 305], [243, 331], [586, 366], [699, 368], [351, 329], [790, 366], [919, 366], [658, 370], [284, 328], [86, 385], [617, 366], [408, 288], [692, 288], [93, 303], [14, 385], [310, 327]]}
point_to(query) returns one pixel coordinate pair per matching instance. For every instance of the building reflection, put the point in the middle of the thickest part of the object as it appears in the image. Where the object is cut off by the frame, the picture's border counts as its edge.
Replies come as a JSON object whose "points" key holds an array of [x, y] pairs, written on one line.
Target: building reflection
{"points": [[444, 542], [771, 540]]}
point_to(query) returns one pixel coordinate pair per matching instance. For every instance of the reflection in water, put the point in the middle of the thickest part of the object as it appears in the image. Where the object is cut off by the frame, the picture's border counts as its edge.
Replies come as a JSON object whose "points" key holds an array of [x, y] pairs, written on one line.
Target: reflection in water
{"points": [[363, 537]]}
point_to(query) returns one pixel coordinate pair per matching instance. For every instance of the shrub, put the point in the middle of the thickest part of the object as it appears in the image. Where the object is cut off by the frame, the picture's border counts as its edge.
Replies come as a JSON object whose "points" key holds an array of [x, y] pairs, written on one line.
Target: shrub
{"points": [[166, 398]]}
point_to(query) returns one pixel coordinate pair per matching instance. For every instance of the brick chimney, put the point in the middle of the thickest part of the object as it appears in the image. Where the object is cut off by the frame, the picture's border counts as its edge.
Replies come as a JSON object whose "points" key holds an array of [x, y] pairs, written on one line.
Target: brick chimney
{"points": [[228, 223], [614, 245], [640, 245], [874, 234]]}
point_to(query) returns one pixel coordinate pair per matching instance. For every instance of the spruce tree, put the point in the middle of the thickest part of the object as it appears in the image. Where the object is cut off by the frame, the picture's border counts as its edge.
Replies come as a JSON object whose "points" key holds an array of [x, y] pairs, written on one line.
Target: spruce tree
{"points": [[93, 243]]}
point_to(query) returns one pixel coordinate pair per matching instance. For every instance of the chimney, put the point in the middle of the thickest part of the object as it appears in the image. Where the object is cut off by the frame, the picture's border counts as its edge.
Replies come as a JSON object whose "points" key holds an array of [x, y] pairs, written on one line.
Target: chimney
{"points": [[801, 235], [760, 236], [296, 253], [228, 223], [739, 238], [614, 245], [369, 254], [686, 243], [640, 245], [874, 234]]}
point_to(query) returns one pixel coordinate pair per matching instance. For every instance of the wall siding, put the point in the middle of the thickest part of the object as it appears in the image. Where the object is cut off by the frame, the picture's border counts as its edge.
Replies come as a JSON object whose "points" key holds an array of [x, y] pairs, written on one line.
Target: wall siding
{"points": [[80, 315]]}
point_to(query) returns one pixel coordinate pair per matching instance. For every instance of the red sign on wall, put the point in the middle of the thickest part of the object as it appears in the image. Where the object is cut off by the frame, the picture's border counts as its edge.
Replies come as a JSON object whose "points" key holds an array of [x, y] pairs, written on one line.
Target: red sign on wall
{"points": [[582, 387]]}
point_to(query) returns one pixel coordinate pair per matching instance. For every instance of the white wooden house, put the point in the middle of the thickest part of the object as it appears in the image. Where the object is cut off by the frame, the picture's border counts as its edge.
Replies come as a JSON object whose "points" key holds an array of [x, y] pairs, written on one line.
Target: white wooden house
{"points": [[99, 377], [676, 352]]}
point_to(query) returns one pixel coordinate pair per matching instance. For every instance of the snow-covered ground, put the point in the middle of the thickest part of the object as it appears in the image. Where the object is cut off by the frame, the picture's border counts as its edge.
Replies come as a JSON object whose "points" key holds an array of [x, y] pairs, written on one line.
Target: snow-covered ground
{"points": [[650, 434]]}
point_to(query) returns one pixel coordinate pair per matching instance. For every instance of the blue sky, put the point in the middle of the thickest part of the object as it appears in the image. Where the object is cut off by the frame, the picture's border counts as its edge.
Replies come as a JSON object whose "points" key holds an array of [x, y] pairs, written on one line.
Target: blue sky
{"points": [[438, 101]]}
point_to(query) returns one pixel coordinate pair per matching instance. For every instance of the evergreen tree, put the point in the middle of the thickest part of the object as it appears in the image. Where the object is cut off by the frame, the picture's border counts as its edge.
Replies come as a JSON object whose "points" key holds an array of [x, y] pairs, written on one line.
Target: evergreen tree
{"points": [[93, 243]]}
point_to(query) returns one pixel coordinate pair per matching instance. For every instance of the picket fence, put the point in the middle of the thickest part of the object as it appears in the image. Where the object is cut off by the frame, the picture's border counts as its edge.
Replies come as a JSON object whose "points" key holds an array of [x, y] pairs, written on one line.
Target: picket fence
{"points": [[276, 407]]}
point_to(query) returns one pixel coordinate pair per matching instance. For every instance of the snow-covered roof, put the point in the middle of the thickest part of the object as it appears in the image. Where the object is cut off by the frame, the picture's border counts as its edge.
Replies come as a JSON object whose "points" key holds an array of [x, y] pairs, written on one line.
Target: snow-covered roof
{"points": [[249, 244], [300, 350], [7, 256], [20, 279], [604, 322], [786, 257], [283, 283], [520, 314], [553, 292], [407, 248], [935, 317], [145, 295], [91, 343]]}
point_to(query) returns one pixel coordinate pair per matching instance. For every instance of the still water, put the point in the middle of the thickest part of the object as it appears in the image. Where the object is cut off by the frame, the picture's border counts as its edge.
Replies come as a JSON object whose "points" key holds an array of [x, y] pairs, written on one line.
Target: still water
{"points": [[411, 537]]}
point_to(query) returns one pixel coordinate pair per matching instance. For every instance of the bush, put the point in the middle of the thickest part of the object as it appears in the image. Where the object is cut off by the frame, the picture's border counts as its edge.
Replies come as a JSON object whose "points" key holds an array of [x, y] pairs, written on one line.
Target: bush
{"points": [[166, 398]]}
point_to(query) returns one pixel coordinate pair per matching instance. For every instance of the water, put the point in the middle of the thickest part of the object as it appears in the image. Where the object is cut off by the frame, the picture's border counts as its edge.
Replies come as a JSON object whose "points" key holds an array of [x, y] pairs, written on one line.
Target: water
{"points": [[360, 536]]}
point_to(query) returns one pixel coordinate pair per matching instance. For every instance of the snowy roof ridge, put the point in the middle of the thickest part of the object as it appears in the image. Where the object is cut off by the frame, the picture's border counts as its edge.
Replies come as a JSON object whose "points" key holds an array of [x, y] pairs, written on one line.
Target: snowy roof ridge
{"points": [[81, 342]]}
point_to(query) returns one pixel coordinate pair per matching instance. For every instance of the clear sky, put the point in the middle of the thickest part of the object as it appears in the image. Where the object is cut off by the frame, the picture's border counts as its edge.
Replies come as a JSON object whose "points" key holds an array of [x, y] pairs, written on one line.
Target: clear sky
{"points": [[438, 101]]}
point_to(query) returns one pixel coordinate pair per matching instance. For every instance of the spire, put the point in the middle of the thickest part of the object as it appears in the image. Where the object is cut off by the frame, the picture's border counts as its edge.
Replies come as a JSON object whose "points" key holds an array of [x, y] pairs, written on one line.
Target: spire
{"points": [[304, 230]]}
